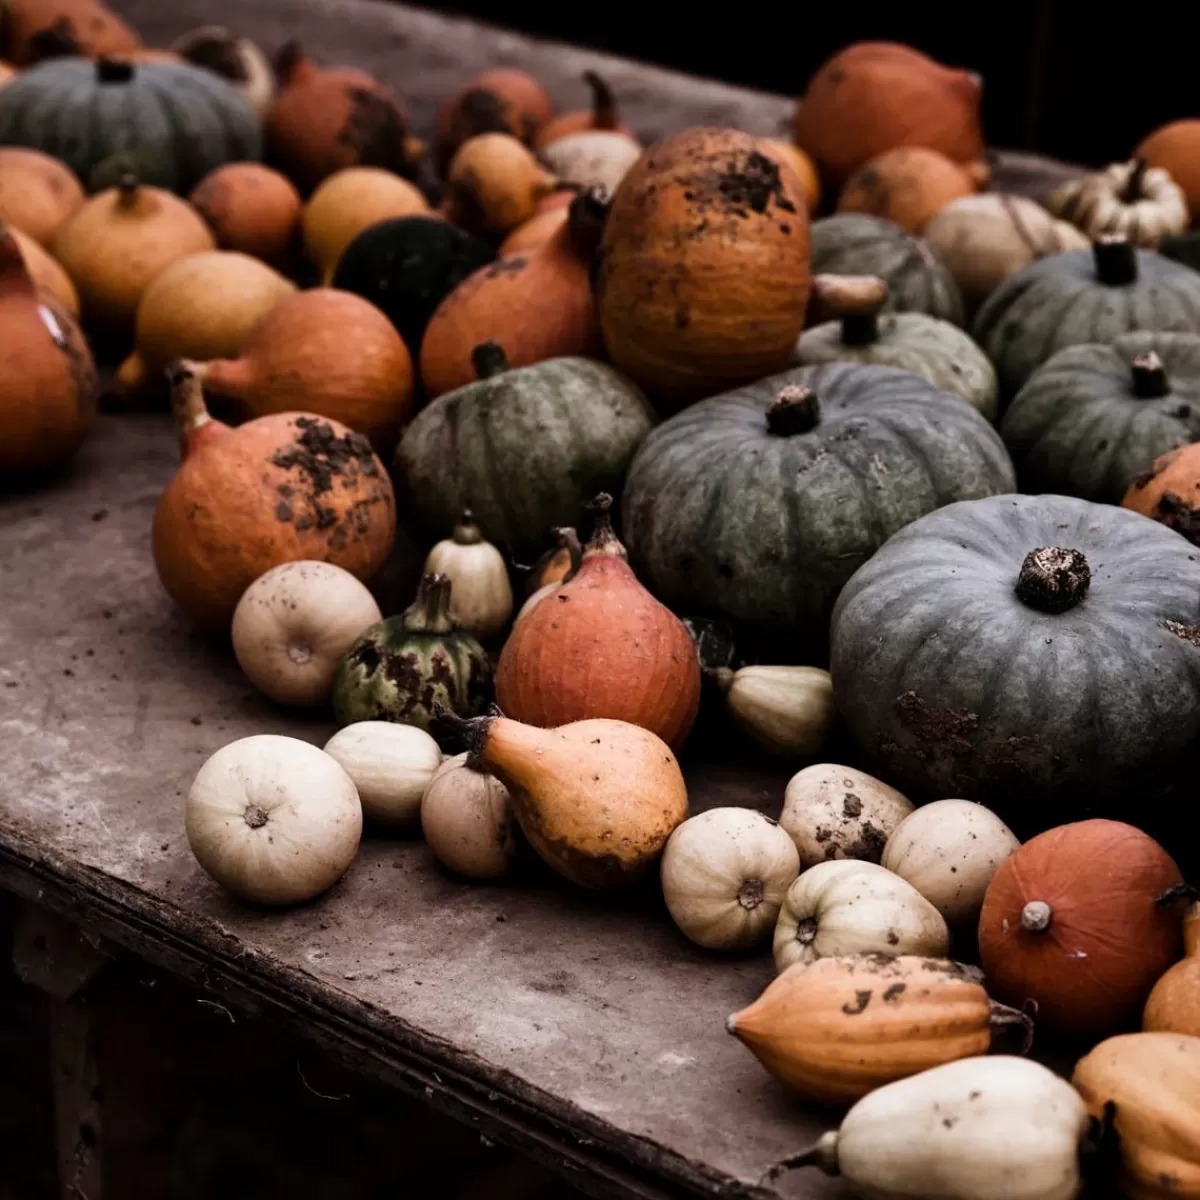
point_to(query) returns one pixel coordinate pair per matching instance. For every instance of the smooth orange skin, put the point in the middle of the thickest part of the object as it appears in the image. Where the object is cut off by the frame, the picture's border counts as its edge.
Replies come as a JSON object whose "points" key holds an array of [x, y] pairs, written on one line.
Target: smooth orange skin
{"points": [[540, 229], [46, 271], [556, 199], [1170, 491], [37, 192], [1174, 1004], [94, 26], [1176, 148], [908, 185], [251, 208], [806, 170]]}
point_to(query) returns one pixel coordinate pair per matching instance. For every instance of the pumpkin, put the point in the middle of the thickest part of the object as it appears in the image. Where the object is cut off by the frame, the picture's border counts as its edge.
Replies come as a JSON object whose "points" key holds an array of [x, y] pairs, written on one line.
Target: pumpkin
{"points": [[46, 271], [1174, 1003], [1169, 491], [468, 822], [927, 346], [170, 124], [499, 100], [1083, 296], [703, 271], [37, 192], [1080, 692], [789, 154], [917, 280], [1175, 148], [236, 59], [33, 29], [875, 96], [250, 208], [1134, 199], [601, 116], [481, 596], [907, 185], [569, 423], [1092, 418], [758, 504], [788, 711]]}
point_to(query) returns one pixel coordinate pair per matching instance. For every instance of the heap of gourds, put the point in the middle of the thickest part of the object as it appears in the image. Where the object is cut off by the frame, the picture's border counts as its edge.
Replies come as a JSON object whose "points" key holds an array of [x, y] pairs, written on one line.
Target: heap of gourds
{"points": [[779, 438]]}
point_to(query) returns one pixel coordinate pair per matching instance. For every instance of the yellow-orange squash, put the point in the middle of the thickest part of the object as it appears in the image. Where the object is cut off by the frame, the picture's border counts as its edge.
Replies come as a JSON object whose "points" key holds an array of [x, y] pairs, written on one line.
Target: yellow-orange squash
{"points": [[1176, 148], [46, 270], [1174, 1004], [250, 208], [789, 154], [1169, 491], [37, 192], [908, 185]]}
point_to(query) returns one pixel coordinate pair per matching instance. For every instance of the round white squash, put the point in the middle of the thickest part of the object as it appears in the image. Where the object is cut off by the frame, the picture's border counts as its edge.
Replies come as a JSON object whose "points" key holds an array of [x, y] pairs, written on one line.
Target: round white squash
{"points": [[273, 819], [481, 599], [391, 766], [292, 626], [468, 822], [786, 710]]}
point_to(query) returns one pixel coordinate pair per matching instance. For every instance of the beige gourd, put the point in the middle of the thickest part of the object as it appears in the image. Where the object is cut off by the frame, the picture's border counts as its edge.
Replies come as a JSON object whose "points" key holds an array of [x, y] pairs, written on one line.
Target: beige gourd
{"points": [[45, 271], [468, 821], [788, 711], [391, 765], [1134, 199], [494, 184], [481, 600], [592, 158], [37, 192], [724, 874]]}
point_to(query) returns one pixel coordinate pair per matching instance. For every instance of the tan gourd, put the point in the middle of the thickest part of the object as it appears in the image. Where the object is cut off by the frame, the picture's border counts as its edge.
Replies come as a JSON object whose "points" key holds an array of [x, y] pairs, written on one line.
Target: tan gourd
{"points": [[481, 601], [468, 822], [592, 158], [252, 208], [37, 192], [44, 270], [494, 184], [1134, 199], [1174, 1004], [909, 185], [391, 765], [724, 875], [786, 710]]}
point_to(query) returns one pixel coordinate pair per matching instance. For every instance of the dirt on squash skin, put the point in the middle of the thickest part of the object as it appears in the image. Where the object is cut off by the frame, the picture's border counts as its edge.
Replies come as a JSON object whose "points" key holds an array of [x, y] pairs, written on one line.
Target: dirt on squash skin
{"points": [[1177, 514], [941, 726], [375, 130], [1187, 633], [754, 185]]}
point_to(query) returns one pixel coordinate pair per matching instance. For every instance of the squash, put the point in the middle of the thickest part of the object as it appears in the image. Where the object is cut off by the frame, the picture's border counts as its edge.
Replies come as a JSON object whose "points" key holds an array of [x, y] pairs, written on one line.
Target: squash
{"points": [[917, 280], [758, 504], [1174, 1002], [1168, 491], [250, 208], [907, 185], [787, 153], [1148, 1084], [1134, 199], [391, 766], [1091, 419], [498, 100], [468, 822], [235, 59], [33, 29], [46, 271], [541, 228], [494, 184], [168, 123], [594, 158], [570, 423], [481, 599], [553, 569], [788, 711], [37, 192], [1062, 706], [1175, 148]]}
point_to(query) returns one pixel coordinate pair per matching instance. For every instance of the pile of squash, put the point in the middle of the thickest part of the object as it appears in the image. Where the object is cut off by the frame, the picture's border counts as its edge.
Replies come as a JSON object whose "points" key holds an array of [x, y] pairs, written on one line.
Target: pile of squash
{"points": [[815, 442]]}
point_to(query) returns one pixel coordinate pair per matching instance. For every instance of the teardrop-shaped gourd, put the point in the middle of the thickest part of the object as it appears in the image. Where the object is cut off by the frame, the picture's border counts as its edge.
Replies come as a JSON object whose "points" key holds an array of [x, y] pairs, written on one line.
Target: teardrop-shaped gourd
{"points": [[37, 192], [786, 710], [597, 799], [601, 646], [1174, 1004], [467, 820], [908, 185], [494, 183], [481, 599], [45, 270], [556, 567]]}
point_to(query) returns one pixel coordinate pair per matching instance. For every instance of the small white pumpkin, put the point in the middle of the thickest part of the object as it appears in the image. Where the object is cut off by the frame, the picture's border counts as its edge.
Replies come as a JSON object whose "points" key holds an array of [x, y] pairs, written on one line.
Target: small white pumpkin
{"points": [[592, 158], [273, 819], [481, 599], [786, 710], [391, 765], [832, 811], [849, 907], [949, 850], [724, 874], [1134, 199], [467, 819], [292, 626]]}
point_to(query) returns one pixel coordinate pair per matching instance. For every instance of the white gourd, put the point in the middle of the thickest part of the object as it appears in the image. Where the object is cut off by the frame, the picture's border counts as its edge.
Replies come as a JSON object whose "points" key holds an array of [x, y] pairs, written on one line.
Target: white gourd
{"points": [[391, 765], [481, 599], [786, 710], [592, 158], [468, 822]]}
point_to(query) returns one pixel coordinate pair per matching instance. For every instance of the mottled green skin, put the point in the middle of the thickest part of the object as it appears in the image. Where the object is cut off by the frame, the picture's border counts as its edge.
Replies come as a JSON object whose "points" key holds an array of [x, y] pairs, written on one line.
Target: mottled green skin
{"points": [[1058, 302], [927, 346], [955, 687], [177, 122], [523, 450], [724, 517], [1077, 428], [918, 281]]}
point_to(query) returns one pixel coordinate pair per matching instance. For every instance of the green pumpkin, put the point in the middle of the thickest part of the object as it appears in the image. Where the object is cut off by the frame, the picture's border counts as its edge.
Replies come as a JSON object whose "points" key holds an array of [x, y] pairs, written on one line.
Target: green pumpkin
{"points": [[759, 504], [524, 448], [402, 667], [1092, 418], [169, 123], [1038, 654], [1183, 248], [1082, 297], [917, 280]]}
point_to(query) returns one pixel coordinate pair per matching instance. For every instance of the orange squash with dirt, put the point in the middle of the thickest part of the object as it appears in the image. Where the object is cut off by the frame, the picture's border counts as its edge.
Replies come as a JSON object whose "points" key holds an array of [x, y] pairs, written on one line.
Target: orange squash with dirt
{"points": [[1169, 491]]}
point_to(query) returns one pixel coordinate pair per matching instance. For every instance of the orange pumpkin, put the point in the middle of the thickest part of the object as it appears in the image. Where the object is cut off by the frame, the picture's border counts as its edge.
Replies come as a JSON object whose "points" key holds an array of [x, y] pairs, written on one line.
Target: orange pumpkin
{"points": [[909, 186], [1176, 148], [601, 646], [789, 154], [536, 232], [500, 100], [250, 208], [1169, 491], [1082, 919], [33, 29], [1174, 1004]]}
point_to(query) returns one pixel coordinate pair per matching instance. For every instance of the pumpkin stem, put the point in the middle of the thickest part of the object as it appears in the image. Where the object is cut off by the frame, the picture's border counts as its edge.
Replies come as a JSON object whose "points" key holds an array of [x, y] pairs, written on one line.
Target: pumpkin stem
{"points": [[1115, 260], [1003, 1016], [1036, 916], [1150, 380], [1181, 891], [806, 931], [585, 220], [823, 1154], [603, 543], [430, 611], [1100, 1159], [290, 56], [472, 730], [721, 676], [489, 359], [255, 816], [187, 402], [1053, 579], [466, 532], [127, 189], [114, 70], [794, 410], [1131, 193], [604, 103], [750, 894], [855, 300]]}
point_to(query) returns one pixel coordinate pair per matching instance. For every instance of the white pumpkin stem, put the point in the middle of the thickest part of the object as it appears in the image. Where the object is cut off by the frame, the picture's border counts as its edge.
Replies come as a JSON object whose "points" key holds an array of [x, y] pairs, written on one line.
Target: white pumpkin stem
{"points": [[1036, 916]]}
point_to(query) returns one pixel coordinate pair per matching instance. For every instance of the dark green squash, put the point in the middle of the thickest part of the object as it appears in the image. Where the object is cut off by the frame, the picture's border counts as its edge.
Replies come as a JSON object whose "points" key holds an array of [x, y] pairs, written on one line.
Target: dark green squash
{"points": [[524, 449], [170, 123], [917, 280], [406, 267], [759, 504], [1183, 248], [1082, 297], [1092, 418], [1038, 654]]}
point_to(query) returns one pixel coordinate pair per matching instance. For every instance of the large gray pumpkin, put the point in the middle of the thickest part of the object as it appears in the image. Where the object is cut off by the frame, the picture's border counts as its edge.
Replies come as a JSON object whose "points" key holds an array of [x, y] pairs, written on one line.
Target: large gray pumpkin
{"points": [[1092, 418], [759, 504], [1039, 654], [168, 123]]}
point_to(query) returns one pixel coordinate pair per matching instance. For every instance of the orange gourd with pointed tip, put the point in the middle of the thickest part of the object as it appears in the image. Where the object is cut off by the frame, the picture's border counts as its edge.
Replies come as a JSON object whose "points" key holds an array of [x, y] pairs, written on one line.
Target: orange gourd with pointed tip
{"points": [[1174, 1004]]}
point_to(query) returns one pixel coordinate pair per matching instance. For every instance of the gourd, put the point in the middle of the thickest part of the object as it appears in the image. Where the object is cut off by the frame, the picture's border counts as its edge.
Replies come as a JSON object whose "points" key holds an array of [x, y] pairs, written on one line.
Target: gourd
{"points": [[1082, 919], [481, 599], [235, 59], [278, 489], [45, 271], [838, 1028], [1091, 418], [1168, 491], [1174, 1002], [602, 116], [1099, 625], [494, 183], [596, 799], [37, 192], [875, 96], [273, 819], [556, 567], [391, 766], [401, 668], [1134, 199], [251, 208], [594, 158], [949, 851], [860, 331], [1083, 296], [703, 271], [34, 27], [836, 812], [292, 626], [1174, 148], [1149, 1084], [917, 280], [468, 822], [788, 711], [847, 907], [789, 154], [170, 123], [759, 504], [569, 423], [601, 646], [909, 185], [537, 231], [724, 875], [499, 100]]}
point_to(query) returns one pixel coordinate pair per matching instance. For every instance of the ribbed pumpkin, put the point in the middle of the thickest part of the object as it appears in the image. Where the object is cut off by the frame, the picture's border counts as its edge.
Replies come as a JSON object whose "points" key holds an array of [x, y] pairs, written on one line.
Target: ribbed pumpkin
{"points": [[601, 646], [1134, 199], [34, 29], [759, 504], [1169, 491], [1176, 148], [1090, 419], [917, 279], [523, 449], [1083, 296], [168, 123]]}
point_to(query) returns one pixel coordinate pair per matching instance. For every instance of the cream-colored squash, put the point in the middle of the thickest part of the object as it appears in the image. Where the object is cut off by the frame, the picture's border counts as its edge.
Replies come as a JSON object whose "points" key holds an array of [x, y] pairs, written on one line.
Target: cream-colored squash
{"points": [[592, 158], [481, 599], [391, 765], [468, 821], [786, 710], [1132, 198]]}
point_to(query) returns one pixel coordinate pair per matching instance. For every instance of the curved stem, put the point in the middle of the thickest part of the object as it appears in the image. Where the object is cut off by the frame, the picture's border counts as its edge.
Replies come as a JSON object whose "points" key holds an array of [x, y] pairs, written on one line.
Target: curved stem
{"points": [[472, 730], [489, 360], [604, 103], [822, 1154], [586, 216], [1003, 1016], [603, 542], [430, 611], [187, 401], [1131, 193]]}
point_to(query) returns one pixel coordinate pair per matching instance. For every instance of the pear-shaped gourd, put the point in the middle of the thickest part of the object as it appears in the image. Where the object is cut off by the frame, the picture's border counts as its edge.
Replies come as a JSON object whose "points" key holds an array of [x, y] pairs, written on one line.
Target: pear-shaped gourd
{"points": [[786, 710], [481, 599]]}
